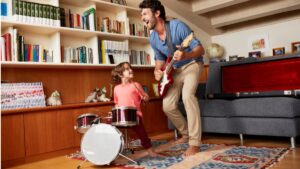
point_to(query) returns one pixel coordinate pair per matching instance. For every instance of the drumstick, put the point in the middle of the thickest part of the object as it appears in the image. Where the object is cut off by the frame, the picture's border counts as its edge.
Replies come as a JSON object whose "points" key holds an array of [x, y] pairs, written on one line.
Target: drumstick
{"points": [[139, 90]]}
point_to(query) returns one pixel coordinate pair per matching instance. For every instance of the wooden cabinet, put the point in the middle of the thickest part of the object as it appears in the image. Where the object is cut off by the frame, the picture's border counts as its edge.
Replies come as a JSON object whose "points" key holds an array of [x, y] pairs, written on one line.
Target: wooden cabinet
{"points": [[12, 137]]}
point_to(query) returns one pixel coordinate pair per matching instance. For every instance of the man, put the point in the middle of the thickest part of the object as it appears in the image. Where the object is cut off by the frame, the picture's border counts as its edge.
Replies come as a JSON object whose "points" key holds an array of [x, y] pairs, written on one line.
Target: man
{"points": [[188, 65]]}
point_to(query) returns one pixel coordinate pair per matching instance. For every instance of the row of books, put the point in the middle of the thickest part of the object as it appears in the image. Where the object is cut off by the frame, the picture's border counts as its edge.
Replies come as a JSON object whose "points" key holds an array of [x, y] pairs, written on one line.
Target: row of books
{"points": [[139, 58], [44, 14], [108, 25], [113, 52], [22, 95], [35, 13], [13, 48], [138, 29], [81, 54], [84, 21], [121, 2]]}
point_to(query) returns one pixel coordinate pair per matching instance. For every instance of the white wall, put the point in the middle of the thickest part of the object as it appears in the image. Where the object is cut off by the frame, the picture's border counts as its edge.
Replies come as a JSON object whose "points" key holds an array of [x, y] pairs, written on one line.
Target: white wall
{"points": [[279, 34]]}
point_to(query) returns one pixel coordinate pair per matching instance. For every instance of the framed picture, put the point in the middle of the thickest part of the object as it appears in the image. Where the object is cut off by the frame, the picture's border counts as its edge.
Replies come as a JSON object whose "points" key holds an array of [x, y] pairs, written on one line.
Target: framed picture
{"points": [[278, 51], [145, 88], [295, 47], [233, 57], [155, 89], [258, 42], [255, 54]]}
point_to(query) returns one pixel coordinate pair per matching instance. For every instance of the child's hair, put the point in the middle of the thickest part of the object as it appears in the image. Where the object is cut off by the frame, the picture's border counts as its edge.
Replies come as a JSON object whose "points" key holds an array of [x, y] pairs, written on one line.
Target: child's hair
{"points": [[117, 72]]}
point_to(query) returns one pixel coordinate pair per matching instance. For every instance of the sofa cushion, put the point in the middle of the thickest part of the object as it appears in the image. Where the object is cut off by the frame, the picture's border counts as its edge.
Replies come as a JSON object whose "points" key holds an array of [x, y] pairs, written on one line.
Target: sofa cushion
{"points": [[266, 107], [211, 108], [216, 108]]}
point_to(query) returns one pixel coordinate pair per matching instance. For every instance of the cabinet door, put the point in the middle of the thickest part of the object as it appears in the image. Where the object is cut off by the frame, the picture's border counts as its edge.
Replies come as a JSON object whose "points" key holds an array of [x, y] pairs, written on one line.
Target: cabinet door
{"points": [[12, 137], [48, 131], [154, 118]]}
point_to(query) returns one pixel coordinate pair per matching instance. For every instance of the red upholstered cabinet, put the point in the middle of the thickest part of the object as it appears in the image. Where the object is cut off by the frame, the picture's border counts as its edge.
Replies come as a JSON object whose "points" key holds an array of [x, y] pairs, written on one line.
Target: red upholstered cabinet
{"points": [[283, 74]]}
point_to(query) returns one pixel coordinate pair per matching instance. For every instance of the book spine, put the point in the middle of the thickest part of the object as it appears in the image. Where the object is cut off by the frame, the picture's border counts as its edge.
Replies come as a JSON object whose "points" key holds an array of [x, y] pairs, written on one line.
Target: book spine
{"points": [[7, 47], [36, 13], [32, 13]]}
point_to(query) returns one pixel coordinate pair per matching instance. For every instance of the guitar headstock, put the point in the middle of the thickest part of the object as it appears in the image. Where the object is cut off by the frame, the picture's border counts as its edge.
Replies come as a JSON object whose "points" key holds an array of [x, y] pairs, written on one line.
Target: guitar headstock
{"points": [[186, 42]]}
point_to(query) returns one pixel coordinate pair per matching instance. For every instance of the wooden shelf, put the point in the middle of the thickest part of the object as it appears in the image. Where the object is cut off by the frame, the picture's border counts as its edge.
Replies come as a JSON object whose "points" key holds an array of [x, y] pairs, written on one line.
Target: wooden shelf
{"points": [[66, 65], [80, 33], [67, 106]]}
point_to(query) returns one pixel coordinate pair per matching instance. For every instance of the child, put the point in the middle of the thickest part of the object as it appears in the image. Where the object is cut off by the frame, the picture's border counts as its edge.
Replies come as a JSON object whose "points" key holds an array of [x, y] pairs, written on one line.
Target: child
{"points": [[130, 94]]}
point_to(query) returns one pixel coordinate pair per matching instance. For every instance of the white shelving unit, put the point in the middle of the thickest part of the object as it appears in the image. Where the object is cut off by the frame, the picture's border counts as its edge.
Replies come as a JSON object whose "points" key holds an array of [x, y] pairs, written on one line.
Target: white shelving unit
{"points": [[53, 37]]}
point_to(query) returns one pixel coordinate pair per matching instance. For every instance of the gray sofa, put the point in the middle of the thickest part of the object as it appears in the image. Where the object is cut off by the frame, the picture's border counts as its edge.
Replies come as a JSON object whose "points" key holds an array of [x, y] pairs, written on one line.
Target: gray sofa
{"points": [[267, 114]]}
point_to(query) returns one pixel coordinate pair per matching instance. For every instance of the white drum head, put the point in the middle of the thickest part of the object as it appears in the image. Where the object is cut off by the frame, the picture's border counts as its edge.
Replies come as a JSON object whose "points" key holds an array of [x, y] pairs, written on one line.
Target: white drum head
{"points": [[101, 144]]}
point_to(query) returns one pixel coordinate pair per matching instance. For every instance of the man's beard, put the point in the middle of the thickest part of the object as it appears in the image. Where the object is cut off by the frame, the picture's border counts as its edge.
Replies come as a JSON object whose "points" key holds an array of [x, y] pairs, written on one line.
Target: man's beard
{"points": [[152, 26]]}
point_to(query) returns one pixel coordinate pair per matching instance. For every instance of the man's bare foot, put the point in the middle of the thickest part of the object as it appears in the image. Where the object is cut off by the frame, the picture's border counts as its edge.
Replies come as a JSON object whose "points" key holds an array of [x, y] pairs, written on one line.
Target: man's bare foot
{"points": [[182, 140], [192, 150], [152, 153]]}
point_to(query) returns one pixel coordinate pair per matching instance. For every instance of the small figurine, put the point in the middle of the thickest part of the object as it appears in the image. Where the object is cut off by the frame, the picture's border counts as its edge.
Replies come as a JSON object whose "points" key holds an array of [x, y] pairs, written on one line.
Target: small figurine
{"points": [[92, 96], [101, 96], [54, 99]]}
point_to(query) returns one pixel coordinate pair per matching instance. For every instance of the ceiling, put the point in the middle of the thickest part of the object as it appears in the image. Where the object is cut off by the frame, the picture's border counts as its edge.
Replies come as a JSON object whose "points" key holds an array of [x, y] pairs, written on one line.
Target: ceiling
{"points": [[219, 16]]}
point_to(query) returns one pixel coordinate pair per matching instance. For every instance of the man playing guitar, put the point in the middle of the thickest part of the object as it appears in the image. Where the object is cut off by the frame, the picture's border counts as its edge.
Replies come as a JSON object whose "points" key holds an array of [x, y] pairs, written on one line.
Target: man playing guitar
{"points": [[187, 68]]}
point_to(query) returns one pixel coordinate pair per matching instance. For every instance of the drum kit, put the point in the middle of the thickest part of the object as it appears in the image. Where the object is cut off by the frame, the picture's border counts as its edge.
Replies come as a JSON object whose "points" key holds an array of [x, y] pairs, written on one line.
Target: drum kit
{"points": [[102, 143]]}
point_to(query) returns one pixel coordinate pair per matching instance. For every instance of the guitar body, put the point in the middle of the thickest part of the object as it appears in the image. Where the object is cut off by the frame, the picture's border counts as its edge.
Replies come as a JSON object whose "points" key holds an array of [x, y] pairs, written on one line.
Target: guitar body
{"points": [[167, 70], [166, 79]]}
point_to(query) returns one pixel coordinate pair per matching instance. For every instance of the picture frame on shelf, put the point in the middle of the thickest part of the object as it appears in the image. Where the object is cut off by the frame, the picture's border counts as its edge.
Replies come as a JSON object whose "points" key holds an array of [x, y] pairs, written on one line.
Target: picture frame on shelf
{"points": [[295, 46], [255, 54], [145, 88], [278, 51]]}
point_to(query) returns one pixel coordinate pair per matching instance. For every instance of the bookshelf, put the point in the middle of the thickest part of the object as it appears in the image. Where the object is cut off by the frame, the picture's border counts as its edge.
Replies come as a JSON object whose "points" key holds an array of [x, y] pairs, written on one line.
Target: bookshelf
{"points": [[54, 37]]}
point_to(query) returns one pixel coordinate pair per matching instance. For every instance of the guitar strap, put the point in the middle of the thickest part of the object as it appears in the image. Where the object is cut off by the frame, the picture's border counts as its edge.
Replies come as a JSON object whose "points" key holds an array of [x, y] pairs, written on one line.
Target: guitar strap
{"points": [[169, 38]]}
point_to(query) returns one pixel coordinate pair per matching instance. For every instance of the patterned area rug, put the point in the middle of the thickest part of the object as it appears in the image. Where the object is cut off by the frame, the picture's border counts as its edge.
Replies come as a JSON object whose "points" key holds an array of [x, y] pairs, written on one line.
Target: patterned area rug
{"points": [[212, 156]]}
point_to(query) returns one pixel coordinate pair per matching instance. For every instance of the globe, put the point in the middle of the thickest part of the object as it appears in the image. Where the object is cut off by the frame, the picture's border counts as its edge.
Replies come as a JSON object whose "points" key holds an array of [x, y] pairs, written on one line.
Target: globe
{"points": [[215, 52]]}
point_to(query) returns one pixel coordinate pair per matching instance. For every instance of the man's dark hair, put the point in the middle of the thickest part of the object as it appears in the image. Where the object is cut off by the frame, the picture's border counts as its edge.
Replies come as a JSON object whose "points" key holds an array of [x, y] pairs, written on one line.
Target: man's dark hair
{"points": [[154, 5]]}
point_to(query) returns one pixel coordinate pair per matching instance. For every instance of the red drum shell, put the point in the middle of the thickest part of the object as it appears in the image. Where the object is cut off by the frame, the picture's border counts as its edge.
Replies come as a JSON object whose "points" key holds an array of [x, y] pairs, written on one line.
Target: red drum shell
{"points": [[84, 122], [124, 116]]}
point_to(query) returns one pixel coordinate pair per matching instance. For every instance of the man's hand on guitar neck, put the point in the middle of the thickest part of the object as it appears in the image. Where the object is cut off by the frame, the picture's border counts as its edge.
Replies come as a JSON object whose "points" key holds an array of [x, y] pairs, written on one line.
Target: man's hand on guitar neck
{"points": [[179, 54], [158, 73]]}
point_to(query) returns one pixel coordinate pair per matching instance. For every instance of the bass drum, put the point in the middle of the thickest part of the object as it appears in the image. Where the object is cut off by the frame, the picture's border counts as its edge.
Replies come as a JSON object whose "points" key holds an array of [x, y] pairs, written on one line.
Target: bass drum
{"points": [[101, 144]]}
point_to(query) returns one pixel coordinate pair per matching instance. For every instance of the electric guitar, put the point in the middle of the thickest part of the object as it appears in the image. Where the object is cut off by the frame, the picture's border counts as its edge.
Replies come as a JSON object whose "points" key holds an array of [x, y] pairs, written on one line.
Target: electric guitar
{"points": [[167, 69]]}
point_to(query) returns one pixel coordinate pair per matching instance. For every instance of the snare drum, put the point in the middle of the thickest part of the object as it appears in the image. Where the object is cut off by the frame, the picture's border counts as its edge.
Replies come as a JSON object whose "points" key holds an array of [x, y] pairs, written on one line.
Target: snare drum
{"points": [[85, 121], [102, 143], [124, 116]]}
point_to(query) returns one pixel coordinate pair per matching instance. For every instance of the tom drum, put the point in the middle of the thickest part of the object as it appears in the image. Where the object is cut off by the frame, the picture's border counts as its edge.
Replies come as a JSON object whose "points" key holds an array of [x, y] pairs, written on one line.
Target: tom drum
{"points": [[124, 116], [85, 121]]}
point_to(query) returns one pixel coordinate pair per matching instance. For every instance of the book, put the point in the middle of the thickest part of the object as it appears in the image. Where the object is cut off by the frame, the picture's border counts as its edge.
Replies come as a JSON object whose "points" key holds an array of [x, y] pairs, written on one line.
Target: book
{"points": [[7, 47], [22, 95], [4, 12]]}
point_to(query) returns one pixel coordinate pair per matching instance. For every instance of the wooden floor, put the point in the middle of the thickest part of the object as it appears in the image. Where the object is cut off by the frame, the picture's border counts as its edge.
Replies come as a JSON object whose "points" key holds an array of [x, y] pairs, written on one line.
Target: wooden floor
{"points": [[290, 161]]}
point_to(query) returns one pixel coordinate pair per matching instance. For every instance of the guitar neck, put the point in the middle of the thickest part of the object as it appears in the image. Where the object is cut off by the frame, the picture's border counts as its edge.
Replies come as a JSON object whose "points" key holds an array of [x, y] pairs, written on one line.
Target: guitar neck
{"points": [[169, 66]]}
